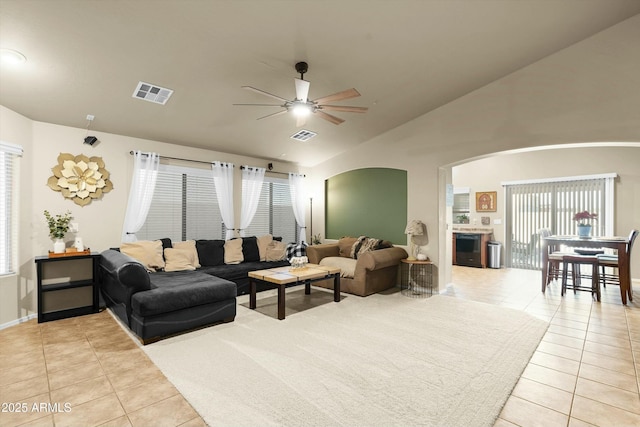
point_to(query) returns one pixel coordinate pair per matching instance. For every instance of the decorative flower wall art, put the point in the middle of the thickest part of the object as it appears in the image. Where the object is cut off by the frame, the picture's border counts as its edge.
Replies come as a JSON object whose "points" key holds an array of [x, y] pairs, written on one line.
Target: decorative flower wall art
{"points": [[80, 178]]}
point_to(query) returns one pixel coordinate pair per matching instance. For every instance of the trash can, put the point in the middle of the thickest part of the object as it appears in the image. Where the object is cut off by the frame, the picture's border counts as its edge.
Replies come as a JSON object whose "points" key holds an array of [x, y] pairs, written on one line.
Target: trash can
{"points": [[494, 254]]}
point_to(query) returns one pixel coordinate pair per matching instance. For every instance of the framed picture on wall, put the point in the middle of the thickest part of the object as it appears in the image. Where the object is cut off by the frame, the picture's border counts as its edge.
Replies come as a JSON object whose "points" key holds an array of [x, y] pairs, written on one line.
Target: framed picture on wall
{"points": [[486, 201]]}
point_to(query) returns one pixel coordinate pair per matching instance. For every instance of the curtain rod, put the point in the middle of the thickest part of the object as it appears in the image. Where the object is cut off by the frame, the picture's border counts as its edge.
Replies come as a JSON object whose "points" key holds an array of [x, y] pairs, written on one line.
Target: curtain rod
{"points": [[178, 158], [208, 163], [268, 171]]}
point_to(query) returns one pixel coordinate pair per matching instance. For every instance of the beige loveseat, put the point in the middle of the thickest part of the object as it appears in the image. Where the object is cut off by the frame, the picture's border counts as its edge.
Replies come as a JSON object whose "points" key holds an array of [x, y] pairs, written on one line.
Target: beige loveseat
{"points": [[373, 271]]}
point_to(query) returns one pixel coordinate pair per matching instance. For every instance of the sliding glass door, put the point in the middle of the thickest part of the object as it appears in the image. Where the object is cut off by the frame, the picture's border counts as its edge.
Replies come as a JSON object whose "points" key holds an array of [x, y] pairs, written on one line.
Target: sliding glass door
{"points": [[551, 204]]}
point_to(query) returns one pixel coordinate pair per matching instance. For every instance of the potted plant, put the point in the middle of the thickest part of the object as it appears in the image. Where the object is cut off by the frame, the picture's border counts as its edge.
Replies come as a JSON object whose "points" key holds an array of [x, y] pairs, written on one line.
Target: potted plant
{"points": [[584, 223], [58, 227], [315, 239], [463, 219]]}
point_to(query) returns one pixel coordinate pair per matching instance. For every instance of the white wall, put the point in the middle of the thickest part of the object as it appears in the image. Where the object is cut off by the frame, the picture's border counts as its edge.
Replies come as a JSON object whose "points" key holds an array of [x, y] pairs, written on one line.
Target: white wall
{"points": [[100, 222], [585, 93]]}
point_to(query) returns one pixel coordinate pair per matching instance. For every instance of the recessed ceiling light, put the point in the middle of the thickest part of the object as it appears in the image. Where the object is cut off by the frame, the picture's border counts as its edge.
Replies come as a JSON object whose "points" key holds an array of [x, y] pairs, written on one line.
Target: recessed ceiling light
{"points": [[11, 57]]}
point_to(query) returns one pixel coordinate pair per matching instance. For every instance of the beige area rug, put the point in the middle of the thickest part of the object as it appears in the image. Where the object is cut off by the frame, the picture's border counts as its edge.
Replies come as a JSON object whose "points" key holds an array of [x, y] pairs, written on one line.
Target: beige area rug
{"points": [[383, 360]]}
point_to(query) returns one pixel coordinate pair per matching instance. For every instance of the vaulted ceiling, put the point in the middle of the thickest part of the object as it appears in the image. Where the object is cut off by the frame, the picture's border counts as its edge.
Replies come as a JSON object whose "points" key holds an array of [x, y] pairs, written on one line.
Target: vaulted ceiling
{"points": [[405, 57]]}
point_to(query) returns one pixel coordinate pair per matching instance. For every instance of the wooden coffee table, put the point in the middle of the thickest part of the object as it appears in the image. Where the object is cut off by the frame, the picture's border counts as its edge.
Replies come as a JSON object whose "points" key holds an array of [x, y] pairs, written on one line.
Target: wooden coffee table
{"points": [[283, 276]]}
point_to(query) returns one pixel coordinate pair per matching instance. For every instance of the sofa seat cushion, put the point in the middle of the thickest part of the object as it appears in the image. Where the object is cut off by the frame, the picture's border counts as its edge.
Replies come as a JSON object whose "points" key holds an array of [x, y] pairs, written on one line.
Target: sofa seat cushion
{"points": [[180, 290], [347, 266]]}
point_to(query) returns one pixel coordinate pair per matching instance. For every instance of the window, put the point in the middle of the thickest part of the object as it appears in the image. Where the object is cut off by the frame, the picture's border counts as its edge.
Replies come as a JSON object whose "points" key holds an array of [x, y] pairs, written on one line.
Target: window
{"points": [[184, 206], [551, 204], [460, 205], [9, 154], [275, 212]]}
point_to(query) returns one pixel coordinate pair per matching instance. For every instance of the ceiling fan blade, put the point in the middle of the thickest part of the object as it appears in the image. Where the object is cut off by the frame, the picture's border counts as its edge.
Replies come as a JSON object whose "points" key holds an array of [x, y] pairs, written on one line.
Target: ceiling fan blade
{"points": [[272, 114], [262, 105], [302, 89], [265, 93], [333, 119], [301, 121], [343, 108], [345, 94]]}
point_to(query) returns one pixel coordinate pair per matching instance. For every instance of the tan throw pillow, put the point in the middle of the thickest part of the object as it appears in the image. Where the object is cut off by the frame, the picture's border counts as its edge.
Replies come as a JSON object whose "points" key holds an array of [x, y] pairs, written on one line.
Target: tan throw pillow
{"points": [[233, 251], [276, 251], [178, 259], [345, 244], [189, 245], [146, 252], [263, 244]]}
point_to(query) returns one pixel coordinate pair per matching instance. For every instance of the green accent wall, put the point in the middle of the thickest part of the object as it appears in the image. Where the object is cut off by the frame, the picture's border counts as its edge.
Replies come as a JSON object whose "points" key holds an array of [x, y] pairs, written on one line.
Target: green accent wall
{"points": [[367, 202]]}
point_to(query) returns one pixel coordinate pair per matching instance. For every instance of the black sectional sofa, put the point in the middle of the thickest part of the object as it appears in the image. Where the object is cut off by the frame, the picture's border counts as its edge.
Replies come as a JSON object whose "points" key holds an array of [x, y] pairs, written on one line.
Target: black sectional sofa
{"points": [[159, 304]]}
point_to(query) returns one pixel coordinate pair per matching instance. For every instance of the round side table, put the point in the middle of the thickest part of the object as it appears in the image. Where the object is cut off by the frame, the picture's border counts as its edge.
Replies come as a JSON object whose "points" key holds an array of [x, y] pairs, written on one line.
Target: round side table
{"points": [[416, 278]]}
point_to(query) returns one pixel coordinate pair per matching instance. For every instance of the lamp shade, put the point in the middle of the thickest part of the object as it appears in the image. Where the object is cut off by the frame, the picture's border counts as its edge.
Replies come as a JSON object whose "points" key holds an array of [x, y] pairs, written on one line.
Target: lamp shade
{"points": [[415, 228]]}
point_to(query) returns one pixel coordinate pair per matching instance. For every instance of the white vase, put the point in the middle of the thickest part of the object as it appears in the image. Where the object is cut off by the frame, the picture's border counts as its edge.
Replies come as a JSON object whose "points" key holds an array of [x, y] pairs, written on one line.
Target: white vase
{"points": [[58, 246]]}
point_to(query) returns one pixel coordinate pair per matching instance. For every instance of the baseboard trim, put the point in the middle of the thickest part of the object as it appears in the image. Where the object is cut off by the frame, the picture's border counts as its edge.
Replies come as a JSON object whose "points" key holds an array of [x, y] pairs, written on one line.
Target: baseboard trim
{"points": [[18, 321]]}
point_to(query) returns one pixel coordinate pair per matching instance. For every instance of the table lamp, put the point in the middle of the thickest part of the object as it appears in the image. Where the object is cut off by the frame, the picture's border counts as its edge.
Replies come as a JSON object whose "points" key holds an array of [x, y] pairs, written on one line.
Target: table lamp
{"points": [[414, 228]]}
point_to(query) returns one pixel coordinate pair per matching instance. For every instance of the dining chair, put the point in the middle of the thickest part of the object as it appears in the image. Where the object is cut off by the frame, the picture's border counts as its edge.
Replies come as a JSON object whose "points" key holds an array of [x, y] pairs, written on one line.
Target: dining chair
{"points": [[576, 261], [554, 269], [611, 261]]}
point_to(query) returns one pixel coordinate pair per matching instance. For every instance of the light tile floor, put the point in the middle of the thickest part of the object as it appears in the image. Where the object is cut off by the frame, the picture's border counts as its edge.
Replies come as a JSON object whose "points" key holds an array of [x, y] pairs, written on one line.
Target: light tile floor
{"points": [[585, 371], [84, 371]]}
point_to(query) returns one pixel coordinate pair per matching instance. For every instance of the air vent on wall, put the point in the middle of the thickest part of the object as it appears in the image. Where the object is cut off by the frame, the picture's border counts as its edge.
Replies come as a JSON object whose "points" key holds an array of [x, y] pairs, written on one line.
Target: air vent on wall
{"points": [[303, 135], [152, 93]]}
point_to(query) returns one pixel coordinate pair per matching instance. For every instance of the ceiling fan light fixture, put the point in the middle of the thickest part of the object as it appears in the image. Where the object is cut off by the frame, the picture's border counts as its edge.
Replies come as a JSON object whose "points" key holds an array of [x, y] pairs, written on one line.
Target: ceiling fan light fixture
{"points": [[301, 110], [11, 57]]}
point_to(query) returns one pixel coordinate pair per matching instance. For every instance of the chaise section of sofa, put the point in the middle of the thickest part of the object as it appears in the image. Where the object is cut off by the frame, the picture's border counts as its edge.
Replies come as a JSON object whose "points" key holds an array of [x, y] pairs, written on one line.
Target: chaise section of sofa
{"points": [[373, 271], [156, 305]]}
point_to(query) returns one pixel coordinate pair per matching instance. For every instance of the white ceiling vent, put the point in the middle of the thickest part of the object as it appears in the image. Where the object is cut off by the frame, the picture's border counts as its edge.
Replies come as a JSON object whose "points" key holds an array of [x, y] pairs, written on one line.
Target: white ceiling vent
{"points": [[152, 93], [303, 135]]}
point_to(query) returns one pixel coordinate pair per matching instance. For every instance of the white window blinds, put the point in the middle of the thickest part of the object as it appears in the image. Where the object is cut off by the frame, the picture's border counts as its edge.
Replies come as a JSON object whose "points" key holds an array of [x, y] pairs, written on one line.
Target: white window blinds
{"points": [[274, 214], [184, 206], [9, 164], [552, 204]]}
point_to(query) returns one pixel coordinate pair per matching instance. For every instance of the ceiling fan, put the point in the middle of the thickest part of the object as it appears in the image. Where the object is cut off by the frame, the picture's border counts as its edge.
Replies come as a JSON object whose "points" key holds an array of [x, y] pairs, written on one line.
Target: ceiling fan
{"points": [[302, 106]]}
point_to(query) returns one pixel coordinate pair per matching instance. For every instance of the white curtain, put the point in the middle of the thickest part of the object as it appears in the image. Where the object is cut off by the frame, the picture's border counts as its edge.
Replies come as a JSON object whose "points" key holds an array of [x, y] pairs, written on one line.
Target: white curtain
{"points": [[223, 180], [298, 202], [145, 173], [252, 179]]}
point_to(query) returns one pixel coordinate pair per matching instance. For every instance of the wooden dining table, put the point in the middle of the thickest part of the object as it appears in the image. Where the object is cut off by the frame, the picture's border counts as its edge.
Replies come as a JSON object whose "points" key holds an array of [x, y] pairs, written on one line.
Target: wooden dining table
{"points": [[552, 243]]}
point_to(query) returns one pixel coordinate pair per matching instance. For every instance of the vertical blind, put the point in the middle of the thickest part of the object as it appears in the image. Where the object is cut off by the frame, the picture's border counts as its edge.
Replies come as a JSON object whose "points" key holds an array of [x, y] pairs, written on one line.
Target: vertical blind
{"points": [[9, 165], [531, 206], [275, 212], [184, 206]]}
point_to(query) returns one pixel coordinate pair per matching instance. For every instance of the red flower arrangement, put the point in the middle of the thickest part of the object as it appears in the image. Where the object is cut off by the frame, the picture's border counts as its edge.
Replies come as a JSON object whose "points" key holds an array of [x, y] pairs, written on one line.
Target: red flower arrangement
{"points": [[583, 217]]}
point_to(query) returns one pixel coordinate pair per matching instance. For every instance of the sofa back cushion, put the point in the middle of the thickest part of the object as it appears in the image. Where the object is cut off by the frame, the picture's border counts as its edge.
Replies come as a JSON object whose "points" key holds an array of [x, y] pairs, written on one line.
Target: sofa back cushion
{"points": [[146, 252], [250, 250], [345, 244], [210, 252]]}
